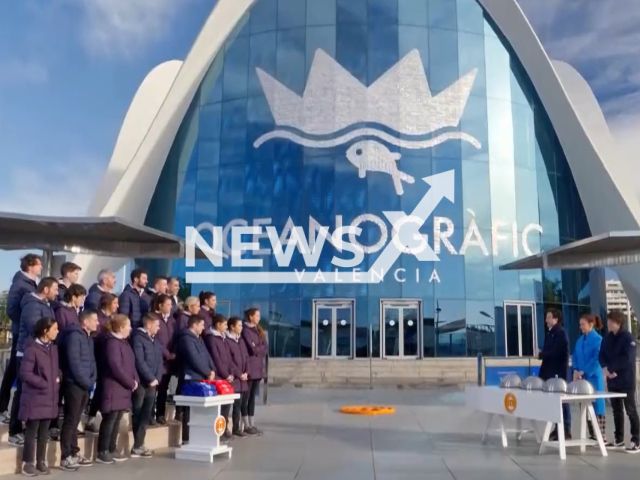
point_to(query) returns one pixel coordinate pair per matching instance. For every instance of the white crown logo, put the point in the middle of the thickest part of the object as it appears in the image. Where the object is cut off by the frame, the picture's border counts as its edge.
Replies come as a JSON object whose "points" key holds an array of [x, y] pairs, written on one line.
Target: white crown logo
{"points": [[338, 105]]}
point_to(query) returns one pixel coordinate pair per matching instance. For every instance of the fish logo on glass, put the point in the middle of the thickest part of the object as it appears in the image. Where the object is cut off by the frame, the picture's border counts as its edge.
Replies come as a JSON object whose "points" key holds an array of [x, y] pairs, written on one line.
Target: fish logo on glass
{"points": [[397, 111]]}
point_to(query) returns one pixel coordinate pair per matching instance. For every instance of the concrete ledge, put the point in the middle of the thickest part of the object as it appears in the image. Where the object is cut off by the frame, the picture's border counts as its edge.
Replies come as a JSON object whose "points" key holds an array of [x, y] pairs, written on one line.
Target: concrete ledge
{"points": [[157, 438]]}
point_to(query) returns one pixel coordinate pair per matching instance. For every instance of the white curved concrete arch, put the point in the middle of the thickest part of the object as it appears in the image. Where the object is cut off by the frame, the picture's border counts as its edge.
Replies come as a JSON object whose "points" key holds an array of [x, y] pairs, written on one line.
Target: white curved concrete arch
{"points": [[142, 111], [601, 172], [133, 192]]}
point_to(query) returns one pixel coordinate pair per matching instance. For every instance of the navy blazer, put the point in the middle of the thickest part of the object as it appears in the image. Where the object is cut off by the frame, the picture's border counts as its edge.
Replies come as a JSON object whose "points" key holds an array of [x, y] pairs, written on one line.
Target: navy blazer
{"points": [[618, 355], [92, 302], [194, 358], [148, 353], [555, 354], [78, 361], [33, 309], [131, 304], [21, 285]]}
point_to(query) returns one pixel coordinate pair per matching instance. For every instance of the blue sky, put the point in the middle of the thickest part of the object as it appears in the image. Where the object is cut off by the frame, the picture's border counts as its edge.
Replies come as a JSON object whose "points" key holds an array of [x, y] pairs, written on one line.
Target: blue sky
{"points": [[69, 68]]}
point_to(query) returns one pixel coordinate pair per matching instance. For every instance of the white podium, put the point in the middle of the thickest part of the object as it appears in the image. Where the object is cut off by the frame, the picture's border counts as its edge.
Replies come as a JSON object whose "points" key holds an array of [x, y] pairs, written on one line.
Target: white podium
{"points": [[206, 426]]}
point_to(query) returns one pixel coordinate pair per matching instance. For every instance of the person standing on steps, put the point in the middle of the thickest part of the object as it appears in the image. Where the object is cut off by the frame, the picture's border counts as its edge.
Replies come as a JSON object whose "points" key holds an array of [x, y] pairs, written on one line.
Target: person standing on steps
{"points": [[130, 302], [586, 365], [79, 370], [196, 362], [618, 361], [40, 379], [555, 361], [69, 273], [119, 380], [108, 308], [207, 308], [34, 306], [164, 339], [255, 340], [106, 284], [173, 289], [70, 306], [215, 341], [148, 354], [239, 360], [24, 282], [182, 316]]}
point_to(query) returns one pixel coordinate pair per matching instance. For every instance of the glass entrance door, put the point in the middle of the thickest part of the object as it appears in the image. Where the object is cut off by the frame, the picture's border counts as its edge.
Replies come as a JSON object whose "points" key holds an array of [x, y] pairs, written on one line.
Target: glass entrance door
{"points": [[333, 328], [520, 337], [401, 333]]}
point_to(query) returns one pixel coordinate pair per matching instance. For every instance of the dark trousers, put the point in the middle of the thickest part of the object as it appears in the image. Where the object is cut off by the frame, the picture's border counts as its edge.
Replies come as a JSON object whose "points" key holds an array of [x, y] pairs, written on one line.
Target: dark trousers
{"points": [[57, 422], [186, 414], [142, 400], [253, 391], [244, 404], [15, 426], [75, 401], [161, 401], [566, 416], [109, 428], [94, 406], [237, 411], [619, 405], [9, 377], [36, 439]]}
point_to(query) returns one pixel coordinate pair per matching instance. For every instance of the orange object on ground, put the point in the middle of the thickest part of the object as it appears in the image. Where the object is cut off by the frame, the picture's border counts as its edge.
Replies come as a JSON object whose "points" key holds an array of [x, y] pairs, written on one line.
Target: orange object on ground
{"points": [[368, 410]]}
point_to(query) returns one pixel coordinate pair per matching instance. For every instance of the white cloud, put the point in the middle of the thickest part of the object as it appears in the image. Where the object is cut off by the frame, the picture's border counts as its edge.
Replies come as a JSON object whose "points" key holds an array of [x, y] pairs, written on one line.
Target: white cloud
{"points": [[601, 40], [125, 27], [63, 188]]}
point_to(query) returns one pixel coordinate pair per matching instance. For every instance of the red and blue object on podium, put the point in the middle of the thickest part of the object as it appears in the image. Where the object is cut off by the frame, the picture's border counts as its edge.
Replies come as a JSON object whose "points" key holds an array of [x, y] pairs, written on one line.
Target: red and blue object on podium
{"points": [[222, 386], [207, 388]]}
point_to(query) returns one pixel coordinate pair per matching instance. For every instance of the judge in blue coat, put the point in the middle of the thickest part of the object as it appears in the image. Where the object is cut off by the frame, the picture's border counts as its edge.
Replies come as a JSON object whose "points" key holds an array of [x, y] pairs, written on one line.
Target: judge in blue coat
{"points": [[586, 364]]}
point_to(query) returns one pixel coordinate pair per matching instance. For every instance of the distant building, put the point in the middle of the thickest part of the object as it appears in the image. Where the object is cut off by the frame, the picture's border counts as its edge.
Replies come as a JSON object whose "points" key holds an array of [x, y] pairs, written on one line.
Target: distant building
{"points": [[617, 300]]}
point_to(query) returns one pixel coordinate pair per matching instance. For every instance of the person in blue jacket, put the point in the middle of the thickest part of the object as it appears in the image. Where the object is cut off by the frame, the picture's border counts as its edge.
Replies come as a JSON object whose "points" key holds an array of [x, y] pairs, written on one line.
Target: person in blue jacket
{"points": [[586, 365], [618, 360], [23, 283], [130, 302], [555, 361]]}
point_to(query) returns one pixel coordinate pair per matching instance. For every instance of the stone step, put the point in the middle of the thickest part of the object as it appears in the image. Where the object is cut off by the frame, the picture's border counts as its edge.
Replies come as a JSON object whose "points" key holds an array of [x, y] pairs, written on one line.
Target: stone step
{"points": [[157, 438]]}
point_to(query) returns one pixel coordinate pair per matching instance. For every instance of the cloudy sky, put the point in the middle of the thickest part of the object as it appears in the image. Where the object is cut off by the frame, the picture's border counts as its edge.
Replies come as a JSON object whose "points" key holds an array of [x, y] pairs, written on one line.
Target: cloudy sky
{"points": [[69, 68]]}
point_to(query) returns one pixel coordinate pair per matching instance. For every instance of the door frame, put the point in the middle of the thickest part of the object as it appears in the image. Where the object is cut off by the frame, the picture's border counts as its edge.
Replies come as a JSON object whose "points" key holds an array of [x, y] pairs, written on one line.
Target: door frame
{"points": [[402, 303], [534, 325], [333, 303]]}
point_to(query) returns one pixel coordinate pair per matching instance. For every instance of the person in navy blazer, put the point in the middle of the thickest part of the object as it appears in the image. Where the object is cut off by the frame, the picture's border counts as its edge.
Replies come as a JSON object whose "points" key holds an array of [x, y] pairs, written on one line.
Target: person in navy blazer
{"points": [[207, 308], [165, 338], [119, 380], [40, 378], [23, 283], [239, 365], [618, 360], [148, 353], [215, 340], [255, 340], [586, 365], [130, 302], [78, 364], [555, 360], [196, 362]]}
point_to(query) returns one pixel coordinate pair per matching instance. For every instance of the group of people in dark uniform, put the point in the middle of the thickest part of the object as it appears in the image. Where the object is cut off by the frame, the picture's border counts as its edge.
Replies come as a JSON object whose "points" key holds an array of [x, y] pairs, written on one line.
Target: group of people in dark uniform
{"points": [[69, 343], [609, 359]]}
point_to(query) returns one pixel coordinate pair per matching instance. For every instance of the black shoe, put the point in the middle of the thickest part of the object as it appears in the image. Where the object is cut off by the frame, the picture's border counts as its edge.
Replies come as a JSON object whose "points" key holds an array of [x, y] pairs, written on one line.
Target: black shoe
{"points": [[161, 421], [614, 444], [152, 422], [255, 431], [29, 470], [42, 469], [105, 458], [119, 457], [239, 433], [633, 448], [91, 427]]}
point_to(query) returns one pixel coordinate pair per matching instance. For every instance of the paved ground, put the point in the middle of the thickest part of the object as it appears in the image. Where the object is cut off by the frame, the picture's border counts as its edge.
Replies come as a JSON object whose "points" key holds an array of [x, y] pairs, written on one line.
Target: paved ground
{"points": [[432, 436]]}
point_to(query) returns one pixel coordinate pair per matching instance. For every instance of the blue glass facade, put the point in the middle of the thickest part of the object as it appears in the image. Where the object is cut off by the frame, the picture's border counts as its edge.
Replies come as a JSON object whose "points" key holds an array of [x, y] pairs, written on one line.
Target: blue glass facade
{"points": [[514, 195]]}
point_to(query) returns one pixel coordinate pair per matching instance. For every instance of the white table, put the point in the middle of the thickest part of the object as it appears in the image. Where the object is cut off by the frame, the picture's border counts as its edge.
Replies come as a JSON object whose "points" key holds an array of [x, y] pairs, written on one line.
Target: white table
{"points": [[537, 406], [206, 426]]}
